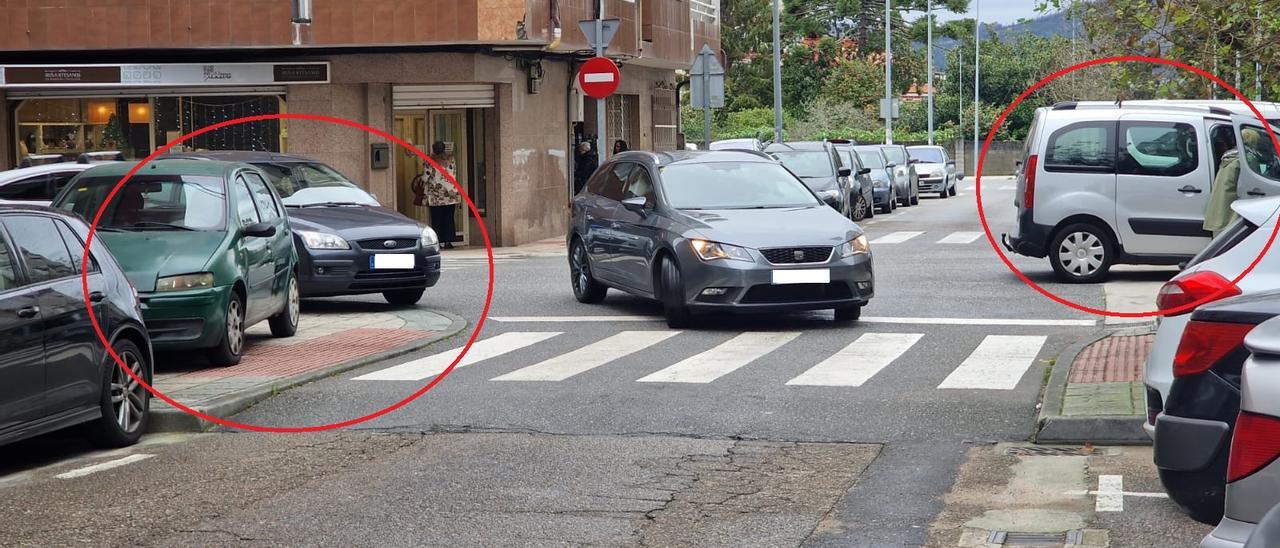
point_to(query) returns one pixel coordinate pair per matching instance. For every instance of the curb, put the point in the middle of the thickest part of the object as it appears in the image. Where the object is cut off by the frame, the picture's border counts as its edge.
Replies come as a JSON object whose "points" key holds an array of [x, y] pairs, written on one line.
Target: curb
{"points": [[169, 419], [1053, 427]]}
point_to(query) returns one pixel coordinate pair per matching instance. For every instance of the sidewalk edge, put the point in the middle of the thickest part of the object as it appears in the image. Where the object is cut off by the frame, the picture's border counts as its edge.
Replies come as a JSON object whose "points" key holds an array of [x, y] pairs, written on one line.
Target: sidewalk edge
{"points": [[1053, 427], [169, 419]]}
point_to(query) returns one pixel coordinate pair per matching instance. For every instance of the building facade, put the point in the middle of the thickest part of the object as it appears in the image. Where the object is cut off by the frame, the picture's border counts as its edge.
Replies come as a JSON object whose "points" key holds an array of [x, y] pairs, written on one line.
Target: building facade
{"points": [[495, 80]]}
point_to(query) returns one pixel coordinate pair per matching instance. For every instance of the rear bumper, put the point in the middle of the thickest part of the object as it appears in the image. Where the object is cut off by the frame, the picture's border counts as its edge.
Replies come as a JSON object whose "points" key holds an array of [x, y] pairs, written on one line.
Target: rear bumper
{"points": [[1031, 240], [1228, 534], [1187, 445]]}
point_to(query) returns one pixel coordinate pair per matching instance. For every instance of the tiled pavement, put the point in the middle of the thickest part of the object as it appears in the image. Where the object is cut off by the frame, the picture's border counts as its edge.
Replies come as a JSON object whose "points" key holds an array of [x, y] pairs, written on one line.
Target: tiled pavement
{"points": [[1100, 398]]}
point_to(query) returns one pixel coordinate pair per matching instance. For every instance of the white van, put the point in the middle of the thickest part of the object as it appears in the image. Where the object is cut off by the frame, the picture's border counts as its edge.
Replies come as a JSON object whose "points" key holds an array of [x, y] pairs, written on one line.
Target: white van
{"points": [[1105, 184]]}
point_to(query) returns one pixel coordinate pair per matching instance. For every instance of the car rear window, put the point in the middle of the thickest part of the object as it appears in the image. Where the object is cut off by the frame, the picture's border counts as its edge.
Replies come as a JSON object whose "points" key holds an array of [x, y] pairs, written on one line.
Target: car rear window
{"points": [[1226, 240]]}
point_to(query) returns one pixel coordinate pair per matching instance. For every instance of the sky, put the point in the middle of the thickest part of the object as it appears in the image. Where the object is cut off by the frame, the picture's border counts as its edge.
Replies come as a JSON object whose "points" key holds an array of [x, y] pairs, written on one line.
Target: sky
{"points": [[996, 11]]}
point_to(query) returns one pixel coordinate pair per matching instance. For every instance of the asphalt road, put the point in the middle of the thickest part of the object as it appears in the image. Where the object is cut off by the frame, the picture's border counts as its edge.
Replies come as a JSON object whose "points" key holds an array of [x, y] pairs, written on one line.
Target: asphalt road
{"points": [[753, 430]]}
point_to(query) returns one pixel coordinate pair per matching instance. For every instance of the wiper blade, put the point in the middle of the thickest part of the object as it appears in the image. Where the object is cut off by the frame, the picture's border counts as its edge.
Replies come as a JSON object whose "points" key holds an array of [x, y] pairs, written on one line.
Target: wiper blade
{"points": [[153, 224], [330, 204]]}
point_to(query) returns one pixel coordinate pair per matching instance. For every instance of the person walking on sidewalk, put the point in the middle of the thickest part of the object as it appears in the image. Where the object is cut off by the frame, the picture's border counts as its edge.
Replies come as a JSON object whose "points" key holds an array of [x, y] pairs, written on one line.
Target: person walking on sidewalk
{"points": [[442, 196]]}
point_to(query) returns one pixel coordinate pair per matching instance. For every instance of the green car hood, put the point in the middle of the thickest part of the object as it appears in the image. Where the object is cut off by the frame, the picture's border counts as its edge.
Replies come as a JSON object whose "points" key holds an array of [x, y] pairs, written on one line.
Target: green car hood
{"points": [[147, 255]]}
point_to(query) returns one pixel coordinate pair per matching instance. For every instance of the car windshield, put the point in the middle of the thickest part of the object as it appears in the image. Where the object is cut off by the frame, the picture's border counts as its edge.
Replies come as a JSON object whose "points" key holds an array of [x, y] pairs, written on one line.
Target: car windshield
{"points": [[871, 158], [315, 185], [806, 163], [733, 185], [895, 155], [150, 202], [927, 155]]}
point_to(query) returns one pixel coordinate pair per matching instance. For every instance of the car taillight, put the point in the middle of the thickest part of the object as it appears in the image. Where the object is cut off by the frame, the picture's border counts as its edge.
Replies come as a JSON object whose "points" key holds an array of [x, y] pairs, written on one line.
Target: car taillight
{"points": [[1255, 444], [1180, 292], [1204, 343], [1029, 177]]}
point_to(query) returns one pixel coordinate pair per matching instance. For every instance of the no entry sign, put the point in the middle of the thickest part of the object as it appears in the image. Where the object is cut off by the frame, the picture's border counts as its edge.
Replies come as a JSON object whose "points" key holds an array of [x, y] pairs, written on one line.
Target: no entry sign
{"points": [[599, 77]]}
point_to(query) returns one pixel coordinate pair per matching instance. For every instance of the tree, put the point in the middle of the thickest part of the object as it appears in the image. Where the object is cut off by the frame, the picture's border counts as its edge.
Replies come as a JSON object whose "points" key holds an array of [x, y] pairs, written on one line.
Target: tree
{"points": [[113, 136]]}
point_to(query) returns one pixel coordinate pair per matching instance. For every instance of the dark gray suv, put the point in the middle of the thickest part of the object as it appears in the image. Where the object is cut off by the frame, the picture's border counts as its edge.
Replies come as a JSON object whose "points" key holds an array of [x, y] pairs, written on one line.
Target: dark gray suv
{"points": [[715, 231]]}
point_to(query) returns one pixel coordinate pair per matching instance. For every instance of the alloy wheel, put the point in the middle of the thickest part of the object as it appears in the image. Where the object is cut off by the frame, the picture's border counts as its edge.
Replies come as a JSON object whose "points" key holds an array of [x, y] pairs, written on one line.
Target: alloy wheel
{"points": [[128, 396], [1081, 253], [295, 305], [579, 270], [235, 326]]}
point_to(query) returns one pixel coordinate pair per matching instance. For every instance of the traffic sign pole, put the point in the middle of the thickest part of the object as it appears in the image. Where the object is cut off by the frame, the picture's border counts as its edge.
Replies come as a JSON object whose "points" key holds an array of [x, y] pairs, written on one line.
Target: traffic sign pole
{"points": [[706, 107], [600, 45]]}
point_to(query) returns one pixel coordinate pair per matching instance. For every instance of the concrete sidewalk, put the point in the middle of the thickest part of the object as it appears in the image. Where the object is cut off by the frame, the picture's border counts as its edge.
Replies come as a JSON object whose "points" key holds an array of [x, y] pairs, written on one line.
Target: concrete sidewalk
{"points": [[334, 335], [1095, 391]]}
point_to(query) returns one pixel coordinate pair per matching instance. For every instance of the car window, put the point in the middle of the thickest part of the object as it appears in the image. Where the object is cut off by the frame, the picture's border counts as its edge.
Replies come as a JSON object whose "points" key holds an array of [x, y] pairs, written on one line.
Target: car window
{"points": [[76, 247], [733, 185], [614, 179], [150, 202], [1166, 149], [1259, 153], [928, 155], [851, 160], [32, 188], [46, 258], [59, 181], [640, 186], [8, 268], [871, 158], [1222, 138], [262, 197], [895, 155], [806, 163], [1080, 147], [246, 212]]}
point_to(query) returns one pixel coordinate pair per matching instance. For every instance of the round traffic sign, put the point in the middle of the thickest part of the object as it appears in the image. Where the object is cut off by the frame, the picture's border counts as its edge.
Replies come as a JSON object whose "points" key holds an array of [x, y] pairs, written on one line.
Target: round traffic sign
{"points": [[599, 77]]}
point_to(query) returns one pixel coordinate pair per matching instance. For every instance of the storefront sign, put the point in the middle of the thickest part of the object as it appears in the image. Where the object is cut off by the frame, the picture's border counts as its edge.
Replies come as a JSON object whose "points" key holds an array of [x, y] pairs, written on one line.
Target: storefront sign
{"points": [[180, 74]]}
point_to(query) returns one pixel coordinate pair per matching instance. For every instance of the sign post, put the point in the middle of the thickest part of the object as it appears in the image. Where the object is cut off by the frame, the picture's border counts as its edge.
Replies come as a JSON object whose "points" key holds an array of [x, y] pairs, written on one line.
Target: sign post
{"points": [[706, 88], [599, 32]]}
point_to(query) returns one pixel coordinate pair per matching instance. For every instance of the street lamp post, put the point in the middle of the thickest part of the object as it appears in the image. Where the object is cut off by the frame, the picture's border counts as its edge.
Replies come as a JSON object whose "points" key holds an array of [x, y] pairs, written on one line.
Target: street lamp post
{"points": [[928, 18], [777, 71], [977, 61], [888, 74]]}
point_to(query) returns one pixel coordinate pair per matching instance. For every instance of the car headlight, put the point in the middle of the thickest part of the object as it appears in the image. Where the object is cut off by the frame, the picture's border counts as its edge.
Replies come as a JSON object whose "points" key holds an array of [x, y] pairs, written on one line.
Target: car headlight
{"points": [[856, 246], [183, 282], [938, 174], [429, 238], [710, 251], [879, 184], [322, 240]]}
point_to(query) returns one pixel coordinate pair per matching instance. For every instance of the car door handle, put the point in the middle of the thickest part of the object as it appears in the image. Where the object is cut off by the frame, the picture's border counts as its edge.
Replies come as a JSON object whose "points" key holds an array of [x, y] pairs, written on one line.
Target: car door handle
{"points": [[1189, 190], [97, 297], [28, 311], [1256, 192]]}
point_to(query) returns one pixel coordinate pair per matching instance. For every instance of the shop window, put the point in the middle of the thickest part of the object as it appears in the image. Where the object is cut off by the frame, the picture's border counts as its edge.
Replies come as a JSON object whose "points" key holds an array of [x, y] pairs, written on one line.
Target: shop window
{"points": [[178, 116], [73, 126]]}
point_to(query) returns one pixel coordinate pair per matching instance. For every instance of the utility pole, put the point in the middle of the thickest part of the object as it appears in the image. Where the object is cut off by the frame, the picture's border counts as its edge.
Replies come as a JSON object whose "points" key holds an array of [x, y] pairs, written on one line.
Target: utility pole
{"points": [[888, 74], [928, 19], [977, 62], [960, 116], [777, 71], [600, 103], [1237, 71], [1257, 70]]}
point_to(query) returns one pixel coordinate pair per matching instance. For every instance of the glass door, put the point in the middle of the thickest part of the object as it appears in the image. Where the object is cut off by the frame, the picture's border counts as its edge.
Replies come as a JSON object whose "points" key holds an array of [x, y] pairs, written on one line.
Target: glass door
{"points": [[412, 128], [450, 126]]}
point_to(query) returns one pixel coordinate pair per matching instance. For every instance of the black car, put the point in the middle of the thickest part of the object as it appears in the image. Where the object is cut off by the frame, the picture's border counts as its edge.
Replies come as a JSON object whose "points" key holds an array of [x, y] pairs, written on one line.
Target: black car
{"points": [[820, 167], [714, 231], [861, 181], [1193, 433], [54, 371], [348, 244]]}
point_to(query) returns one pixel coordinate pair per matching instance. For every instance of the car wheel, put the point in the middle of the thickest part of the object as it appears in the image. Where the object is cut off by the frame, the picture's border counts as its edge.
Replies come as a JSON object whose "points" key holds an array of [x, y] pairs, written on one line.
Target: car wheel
{"points": [[848, 313], [125, 402], [230, 348], [946, 191], [1202, 493], [915, 196], [673, 306], [1081, 253], [585, 287], [285, 323], [860, 209], [869, 203], [404, 297], [952, 190], [904, 201]]}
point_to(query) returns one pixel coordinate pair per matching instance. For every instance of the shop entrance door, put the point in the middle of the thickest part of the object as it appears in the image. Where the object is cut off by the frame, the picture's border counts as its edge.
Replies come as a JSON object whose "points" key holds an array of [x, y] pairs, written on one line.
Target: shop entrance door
{"points": [[450, 126], [412, 128]]}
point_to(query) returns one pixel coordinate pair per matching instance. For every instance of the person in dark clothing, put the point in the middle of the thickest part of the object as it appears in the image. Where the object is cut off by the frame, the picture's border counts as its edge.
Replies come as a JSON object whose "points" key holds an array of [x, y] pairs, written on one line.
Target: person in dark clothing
{"points": [[620, 146], [585, 163]]}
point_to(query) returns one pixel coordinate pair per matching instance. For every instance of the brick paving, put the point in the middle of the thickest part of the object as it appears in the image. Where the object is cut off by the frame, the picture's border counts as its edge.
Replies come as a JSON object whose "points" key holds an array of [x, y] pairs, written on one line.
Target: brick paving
{"points": [[1116, 359], [279, 360]]}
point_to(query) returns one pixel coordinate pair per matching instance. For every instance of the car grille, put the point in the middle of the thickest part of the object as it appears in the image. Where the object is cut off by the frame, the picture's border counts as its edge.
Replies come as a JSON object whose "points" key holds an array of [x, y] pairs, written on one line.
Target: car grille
{"points": [[379, 244], [797, 293], [796, 255], [390, 279]]}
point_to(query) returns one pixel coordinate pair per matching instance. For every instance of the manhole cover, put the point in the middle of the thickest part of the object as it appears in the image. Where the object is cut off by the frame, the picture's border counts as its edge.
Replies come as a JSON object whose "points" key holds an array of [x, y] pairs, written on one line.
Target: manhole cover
{"points": [[1036, 540], [1037, 451]]}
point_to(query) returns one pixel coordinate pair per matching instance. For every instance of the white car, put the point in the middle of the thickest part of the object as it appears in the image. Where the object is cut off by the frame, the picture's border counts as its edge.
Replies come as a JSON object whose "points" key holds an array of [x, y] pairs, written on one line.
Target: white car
{"points": [[1102, 185], [1226, 256], [936, 168], [38, 185], [736, 144]]}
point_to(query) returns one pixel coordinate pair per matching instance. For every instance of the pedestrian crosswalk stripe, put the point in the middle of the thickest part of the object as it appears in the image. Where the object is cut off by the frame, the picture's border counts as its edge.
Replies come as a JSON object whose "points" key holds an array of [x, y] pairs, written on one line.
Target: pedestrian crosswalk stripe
{"points": [[1015, 322], [895, 237], [588, 357], [858, 362], [433, 365], [998, 363], [723, 359], [960, 238]]}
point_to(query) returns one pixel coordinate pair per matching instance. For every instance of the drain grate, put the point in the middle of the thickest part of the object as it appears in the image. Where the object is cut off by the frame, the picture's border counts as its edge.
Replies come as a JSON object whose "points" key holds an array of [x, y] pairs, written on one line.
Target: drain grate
{"points": [[1036, 540], [1038, 451]]}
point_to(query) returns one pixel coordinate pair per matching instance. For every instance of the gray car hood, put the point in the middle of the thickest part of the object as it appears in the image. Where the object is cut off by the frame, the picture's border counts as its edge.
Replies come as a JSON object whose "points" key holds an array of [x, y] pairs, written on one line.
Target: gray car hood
{"points": [[764, 228]]}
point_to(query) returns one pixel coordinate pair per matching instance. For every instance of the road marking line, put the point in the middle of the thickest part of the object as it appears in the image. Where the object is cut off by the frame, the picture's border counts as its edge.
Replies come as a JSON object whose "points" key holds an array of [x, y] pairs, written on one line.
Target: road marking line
{"points": [[81, 472], [857, 363], [864, 319], [960, 238], [998, 363], [435, 364], [1110, 494], [1007, 187], [588, 357], [1125, 493], [723, 359], [895, 237]]}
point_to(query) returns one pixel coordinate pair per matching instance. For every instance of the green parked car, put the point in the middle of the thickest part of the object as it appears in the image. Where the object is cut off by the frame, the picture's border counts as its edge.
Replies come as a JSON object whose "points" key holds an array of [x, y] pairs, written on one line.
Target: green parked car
{"points": [[207, 245]]}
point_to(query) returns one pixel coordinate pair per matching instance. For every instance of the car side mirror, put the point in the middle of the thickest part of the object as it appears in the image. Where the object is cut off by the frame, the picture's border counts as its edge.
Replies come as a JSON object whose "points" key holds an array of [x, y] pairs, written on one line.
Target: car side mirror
{"points": [[844, 172], [951, 163], [891, 165], [636, 204], [864, 171], [259, 230], [1183, 265]]}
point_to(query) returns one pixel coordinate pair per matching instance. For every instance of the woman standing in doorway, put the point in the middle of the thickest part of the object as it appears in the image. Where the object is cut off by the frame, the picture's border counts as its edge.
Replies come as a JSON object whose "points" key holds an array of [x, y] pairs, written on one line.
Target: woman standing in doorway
{"points": [[442, 196]]}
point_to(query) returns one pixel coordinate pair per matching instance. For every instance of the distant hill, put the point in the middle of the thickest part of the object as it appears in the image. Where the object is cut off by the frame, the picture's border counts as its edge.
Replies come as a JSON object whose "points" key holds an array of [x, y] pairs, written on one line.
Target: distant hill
{"points": [[1055, 24]]}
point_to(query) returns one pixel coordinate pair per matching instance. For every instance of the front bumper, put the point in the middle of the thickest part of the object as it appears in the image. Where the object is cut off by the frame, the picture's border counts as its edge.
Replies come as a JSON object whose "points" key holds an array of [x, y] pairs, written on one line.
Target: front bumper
{"points": [[185, 319], [880, 196], [932, 184], [324, 272], [749, 287]]}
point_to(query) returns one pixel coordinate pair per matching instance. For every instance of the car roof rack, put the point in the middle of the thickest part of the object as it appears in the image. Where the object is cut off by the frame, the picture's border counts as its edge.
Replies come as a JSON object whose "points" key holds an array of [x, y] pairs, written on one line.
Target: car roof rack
{"points": [[752, 152]]}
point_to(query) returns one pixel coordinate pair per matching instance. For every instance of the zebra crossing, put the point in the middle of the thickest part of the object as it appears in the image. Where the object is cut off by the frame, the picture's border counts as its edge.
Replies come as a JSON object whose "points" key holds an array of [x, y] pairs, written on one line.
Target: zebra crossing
{"points": [[998, 362], [954, 238]]}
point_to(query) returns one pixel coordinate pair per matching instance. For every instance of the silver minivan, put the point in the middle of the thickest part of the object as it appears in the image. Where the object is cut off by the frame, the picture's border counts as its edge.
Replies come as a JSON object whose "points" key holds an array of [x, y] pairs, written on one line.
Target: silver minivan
{"points": [[1101, 185]]}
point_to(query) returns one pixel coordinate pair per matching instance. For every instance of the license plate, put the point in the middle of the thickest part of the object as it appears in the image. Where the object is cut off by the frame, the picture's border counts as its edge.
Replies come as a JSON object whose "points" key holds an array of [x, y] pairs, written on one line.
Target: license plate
{"points": [[816, 276], [391, 261]]}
